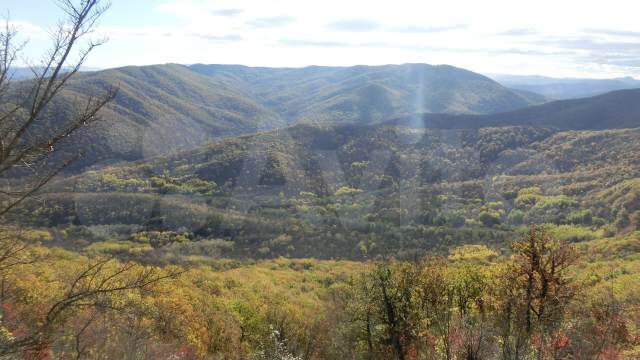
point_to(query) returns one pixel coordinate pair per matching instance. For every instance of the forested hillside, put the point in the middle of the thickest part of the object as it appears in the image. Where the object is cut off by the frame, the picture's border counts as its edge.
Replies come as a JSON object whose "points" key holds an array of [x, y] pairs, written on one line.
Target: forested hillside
{"points": [[370, 94], [165, 108], [355, 191], [614, 110], [471, 302], [369, 212], [159, 109]]}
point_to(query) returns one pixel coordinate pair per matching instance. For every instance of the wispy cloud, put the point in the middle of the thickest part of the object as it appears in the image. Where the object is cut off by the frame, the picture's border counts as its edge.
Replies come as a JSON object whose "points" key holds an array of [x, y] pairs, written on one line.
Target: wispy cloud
{"points": [[590, 44], [227, 12], [493, 35], [28, 29], [354, 25], [311, 43], [220, 38], [271, 22], [622, 60], [622, 33], [413, 29], [519, 32], [525, 51], [329, 43], [172, 32], [492, 52], [587, 50]]}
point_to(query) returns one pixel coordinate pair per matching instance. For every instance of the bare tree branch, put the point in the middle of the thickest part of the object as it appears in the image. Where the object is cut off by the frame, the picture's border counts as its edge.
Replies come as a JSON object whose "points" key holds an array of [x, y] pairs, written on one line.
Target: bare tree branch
{"points": [[89, 289], [27, 138]]}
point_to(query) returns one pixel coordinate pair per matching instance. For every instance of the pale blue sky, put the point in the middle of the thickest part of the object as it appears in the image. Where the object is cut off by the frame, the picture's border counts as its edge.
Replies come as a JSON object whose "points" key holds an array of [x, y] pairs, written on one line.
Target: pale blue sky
{"points": [[586, 38], [121, 13]]}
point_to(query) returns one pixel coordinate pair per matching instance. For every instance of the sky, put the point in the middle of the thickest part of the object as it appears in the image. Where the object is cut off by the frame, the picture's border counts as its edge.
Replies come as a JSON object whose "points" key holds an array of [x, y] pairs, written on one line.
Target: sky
{"points": [[560, 38]]}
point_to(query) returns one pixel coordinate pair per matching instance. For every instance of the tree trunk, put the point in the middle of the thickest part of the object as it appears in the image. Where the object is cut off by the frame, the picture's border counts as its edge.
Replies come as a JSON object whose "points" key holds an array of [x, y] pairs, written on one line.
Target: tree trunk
{"points": [[392, 322]]}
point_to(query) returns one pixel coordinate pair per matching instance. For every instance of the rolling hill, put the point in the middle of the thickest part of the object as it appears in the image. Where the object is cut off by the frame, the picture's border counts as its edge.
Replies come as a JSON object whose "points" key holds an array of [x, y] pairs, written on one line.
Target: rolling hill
{"points": [[285, 185], [353, 190], [159, 109], [614, 110], [372, 93], [164, 108]]}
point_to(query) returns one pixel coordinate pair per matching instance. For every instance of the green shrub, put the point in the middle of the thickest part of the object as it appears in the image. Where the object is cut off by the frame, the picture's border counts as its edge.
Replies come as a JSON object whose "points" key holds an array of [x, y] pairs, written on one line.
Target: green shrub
{"points": [[574, 233], [516, 217], [489, 218]]}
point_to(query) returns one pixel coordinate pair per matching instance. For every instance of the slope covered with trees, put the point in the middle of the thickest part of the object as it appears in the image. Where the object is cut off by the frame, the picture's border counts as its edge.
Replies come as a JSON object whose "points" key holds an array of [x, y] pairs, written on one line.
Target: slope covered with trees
{"points": [[577, 302], [165, 108], [159, 109], [354, 191], [369, 94], [312, 227], [614, 110]]}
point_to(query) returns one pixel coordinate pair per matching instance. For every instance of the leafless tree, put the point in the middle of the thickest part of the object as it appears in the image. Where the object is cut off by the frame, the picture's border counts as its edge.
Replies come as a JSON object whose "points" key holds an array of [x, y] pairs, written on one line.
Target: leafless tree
{"points": [[538, 290], [28, 139]]}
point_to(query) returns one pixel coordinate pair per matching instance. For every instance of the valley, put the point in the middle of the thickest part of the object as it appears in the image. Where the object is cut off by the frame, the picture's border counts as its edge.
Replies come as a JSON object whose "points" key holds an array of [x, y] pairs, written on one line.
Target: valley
{"points": [[162, 199], [283, 224], [163, 108]]}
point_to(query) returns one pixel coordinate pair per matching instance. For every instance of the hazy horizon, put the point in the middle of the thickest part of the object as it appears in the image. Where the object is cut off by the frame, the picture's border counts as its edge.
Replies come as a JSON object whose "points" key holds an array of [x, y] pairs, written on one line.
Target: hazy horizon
{"points": [[490, 75], [494, 37]]}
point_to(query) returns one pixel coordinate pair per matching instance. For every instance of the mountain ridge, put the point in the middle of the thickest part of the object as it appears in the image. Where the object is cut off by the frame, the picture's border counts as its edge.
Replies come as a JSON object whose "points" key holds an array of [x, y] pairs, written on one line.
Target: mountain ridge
{"points": [[565, 88], [616, 109], [330, 188], [171, 107]]}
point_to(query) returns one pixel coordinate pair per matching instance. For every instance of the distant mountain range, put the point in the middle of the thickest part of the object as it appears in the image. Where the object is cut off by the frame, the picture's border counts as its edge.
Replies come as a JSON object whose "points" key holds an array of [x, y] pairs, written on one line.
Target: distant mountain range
{"points": [[164, 108], [614, 110], [21, 73], [370, 93], [161, 109], [565, 88]]}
